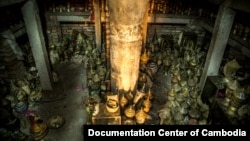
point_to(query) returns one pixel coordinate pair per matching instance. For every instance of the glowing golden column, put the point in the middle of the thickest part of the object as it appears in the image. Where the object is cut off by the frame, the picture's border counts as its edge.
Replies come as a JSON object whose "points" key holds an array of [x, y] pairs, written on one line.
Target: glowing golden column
{"points": [[126, 29]]}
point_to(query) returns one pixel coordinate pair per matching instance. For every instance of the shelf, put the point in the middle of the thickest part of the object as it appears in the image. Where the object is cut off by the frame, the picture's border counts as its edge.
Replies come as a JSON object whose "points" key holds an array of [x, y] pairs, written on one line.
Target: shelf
{"points": [[64, 18], [86, 16], [206, 25], [70, 13], [18, 30], [170, 19], [232, 119], [240, 41], [10, 65], [237, 45], [233, 41], [72, 16]]}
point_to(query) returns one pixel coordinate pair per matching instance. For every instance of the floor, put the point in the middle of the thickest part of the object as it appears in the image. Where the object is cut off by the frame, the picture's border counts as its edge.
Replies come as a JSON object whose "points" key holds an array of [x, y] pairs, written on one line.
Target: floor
{"points": [[67, 100]]}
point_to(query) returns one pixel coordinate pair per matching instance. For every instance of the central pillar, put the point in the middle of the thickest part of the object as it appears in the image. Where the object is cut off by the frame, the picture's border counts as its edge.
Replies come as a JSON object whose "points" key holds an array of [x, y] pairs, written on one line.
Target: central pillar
{"points": [[126, 20]]}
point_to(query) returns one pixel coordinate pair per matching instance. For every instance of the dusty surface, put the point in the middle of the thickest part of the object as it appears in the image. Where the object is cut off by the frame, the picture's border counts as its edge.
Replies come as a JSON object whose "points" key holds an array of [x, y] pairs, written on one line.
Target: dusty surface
{"points": [[67, 98], [159, 89]]}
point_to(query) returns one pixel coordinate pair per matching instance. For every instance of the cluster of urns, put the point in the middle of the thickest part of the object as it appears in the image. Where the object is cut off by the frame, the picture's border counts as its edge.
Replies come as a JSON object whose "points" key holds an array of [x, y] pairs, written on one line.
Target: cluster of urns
{"points": [[183, 64]]}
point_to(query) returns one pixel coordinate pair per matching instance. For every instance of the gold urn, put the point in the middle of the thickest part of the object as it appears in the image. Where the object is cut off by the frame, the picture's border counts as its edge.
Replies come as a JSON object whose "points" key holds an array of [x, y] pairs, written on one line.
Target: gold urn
{"points": [[139, 94], [129, 111], [144, 57], [140, 116], [112, 104], [147, 104], [123, 101]]}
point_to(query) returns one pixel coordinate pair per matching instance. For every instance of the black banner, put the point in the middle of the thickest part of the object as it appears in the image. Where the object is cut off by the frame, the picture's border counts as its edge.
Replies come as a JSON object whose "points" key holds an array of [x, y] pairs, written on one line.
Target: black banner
{"points": [[114, 132]]}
